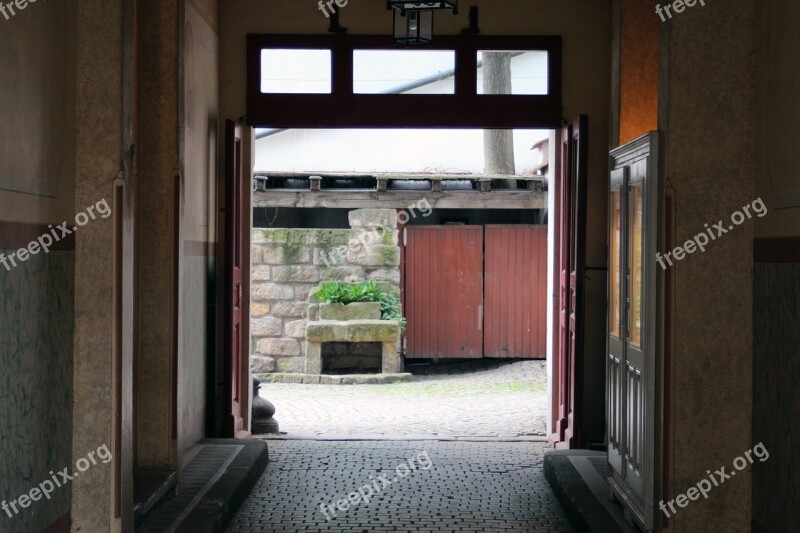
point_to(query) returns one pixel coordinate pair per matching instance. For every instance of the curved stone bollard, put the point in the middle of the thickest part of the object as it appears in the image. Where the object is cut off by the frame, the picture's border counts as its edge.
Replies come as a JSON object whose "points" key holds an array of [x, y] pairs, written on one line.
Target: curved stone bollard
{"points": [[263, 410]]}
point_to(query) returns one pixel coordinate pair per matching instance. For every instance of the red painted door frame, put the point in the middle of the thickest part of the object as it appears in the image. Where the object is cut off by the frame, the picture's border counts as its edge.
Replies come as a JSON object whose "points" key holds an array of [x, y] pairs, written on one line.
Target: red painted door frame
{"points": [[570, 219], [234, 257]]}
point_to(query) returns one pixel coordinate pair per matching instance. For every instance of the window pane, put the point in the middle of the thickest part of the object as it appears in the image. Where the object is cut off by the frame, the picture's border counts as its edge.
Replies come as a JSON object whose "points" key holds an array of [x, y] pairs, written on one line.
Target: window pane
{"points": [[614, 252], [512, 72], [635, 290], [404, 71], [295, 71]]}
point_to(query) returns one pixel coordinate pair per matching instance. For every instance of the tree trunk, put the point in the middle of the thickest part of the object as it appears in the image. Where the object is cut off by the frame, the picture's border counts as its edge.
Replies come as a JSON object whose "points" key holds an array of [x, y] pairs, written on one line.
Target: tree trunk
{"points": [[498, 145]]}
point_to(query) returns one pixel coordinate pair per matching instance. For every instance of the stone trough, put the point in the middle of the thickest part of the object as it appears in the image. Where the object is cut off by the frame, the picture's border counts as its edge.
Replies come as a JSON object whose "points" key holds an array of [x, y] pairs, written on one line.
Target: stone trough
{"points": [[352, 323]]}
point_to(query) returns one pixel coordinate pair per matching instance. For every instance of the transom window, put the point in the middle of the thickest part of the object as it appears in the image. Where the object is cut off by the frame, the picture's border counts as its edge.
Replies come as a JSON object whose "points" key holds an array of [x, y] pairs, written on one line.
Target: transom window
{"points": [[359, 81]]}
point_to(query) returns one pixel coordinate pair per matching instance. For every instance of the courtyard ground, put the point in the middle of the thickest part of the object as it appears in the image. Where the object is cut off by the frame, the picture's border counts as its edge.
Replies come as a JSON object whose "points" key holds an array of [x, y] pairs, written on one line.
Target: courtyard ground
{"points": [[467, 486], [504, 401], [458, 449]]}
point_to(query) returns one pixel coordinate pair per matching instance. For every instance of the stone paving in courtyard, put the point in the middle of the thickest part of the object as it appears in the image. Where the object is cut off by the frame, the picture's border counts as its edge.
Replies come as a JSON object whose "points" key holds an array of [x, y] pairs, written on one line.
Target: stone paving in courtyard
{"points": [[467, 486], [505, 402], [481, 433]]}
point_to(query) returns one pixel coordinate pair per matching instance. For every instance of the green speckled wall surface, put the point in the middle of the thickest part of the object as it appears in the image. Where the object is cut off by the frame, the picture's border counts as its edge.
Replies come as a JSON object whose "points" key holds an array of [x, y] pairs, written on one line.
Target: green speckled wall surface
{"points": [[36, 347], [776, 394]]}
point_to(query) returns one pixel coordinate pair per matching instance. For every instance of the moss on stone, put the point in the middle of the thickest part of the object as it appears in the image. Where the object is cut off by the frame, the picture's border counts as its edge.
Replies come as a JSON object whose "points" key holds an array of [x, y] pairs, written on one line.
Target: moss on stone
{"points": [[373, 331], [390, 254], [292, 253], [299, 236], [353, 331], [332, 237], [274, 236], [351, 311], [388, 237]]}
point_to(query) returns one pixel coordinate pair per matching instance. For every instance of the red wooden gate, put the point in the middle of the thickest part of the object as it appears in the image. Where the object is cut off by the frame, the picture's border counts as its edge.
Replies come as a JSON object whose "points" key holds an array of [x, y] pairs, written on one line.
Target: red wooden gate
{"points": [[515, 292], [445, 269], [444, 291]]}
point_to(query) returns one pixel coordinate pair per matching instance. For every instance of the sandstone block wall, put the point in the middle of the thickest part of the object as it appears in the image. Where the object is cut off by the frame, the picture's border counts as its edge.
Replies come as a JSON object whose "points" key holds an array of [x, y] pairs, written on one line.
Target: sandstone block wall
{"points": [[287, 263]]}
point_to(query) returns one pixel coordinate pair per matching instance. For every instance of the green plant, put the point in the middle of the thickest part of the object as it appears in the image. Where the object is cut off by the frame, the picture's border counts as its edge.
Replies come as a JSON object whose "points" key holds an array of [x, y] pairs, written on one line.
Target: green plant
{"points": [[345, 293], [331, 293], [390, 309]]}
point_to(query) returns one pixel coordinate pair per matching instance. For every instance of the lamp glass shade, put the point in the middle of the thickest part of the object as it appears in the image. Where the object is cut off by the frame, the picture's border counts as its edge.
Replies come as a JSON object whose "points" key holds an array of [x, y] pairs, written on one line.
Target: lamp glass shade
{"points": [[413, 27]]}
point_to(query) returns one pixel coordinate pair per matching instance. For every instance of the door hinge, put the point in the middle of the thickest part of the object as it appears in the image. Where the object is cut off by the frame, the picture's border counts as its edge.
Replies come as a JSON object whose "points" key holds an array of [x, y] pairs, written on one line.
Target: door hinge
{"points": [[480, 317]]}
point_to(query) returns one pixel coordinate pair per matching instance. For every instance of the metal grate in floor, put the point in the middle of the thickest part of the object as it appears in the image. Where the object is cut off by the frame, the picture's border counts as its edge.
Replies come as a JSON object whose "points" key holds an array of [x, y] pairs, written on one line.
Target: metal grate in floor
{"points": [[194, 481], [600, 464]]}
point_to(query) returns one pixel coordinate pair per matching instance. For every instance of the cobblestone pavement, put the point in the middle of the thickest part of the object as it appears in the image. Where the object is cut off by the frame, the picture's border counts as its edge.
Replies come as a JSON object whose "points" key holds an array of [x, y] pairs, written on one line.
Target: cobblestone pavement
{"points": [[467, 486], [507, 401]]}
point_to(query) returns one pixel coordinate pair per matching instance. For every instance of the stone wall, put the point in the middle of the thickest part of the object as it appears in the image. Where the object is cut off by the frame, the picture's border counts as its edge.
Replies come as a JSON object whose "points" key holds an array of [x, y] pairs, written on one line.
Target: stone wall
{"points": [[287, 263]]}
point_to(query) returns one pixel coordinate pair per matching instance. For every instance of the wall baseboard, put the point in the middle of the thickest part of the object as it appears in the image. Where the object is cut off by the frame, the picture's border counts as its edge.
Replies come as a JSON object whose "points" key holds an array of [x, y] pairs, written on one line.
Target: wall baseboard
{"points": [[61, 525], [777, 250]]}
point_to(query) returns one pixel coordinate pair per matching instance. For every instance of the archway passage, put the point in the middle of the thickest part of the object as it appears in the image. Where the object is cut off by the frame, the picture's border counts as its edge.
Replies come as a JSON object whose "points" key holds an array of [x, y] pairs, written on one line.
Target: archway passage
{"points": [[479, 423]]}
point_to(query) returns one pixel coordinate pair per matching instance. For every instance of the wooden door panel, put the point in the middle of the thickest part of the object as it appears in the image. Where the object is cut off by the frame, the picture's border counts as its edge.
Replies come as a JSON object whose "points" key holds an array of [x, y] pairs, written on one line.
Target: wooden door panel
{"points": [[515, 285], [444, 291], [234, 425], [631, 335], [561, 369], [617, 317], [571, 264]]}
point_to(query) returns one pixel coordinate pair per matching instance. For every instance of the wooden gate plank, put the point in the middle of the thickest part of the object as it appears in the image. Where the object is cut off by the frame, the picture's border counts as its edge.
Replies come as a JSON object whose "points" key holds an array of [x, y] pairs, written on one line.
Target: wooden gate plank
{"points": [[515, 281], [444, 288]]}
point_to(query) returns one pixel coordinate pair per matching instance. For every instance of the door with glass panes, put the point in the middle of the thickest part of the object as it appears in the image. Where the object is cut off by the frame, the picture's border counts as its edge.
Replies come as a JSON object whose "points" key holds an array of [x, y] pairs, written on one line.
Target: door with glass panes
{"points": [[631, 357]]}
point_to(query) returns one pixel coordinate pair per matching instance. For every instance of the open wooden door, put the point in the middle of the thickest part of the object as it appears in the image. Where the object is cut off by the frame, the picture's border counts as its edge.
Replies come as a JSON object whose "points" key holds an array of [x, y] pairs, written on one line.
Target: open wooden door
{"points": [[571, 265], [631, 360], [234, 423]]}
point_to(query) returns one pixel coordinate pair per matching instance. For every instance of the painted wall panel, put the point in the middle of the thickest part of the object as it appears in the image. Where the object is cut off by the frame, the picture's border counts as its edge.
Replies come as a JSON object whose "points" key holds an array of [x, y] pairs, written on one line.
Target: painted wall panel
{"points": [[776, 397], [37, 139], [199, 126], [36, 352]]}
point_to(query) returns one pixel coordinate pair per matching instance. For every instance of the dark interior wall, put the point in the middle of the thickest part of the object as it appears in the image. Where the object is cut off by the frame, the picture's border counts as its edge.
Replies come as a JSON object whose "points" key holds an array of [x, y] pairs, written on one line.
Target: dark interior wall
{"points": [[200, 127], [37, 297], [158, 150], [776, 396], [709, 76], [776, 288]]}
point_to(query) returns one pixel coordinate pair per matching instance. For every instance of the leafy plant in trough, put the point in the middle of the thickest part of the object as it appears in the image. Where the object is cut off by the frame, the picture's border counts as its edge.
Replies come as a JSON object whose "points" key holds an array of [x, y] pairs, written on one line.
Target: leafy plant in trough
{"points": [[345, 293]]}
